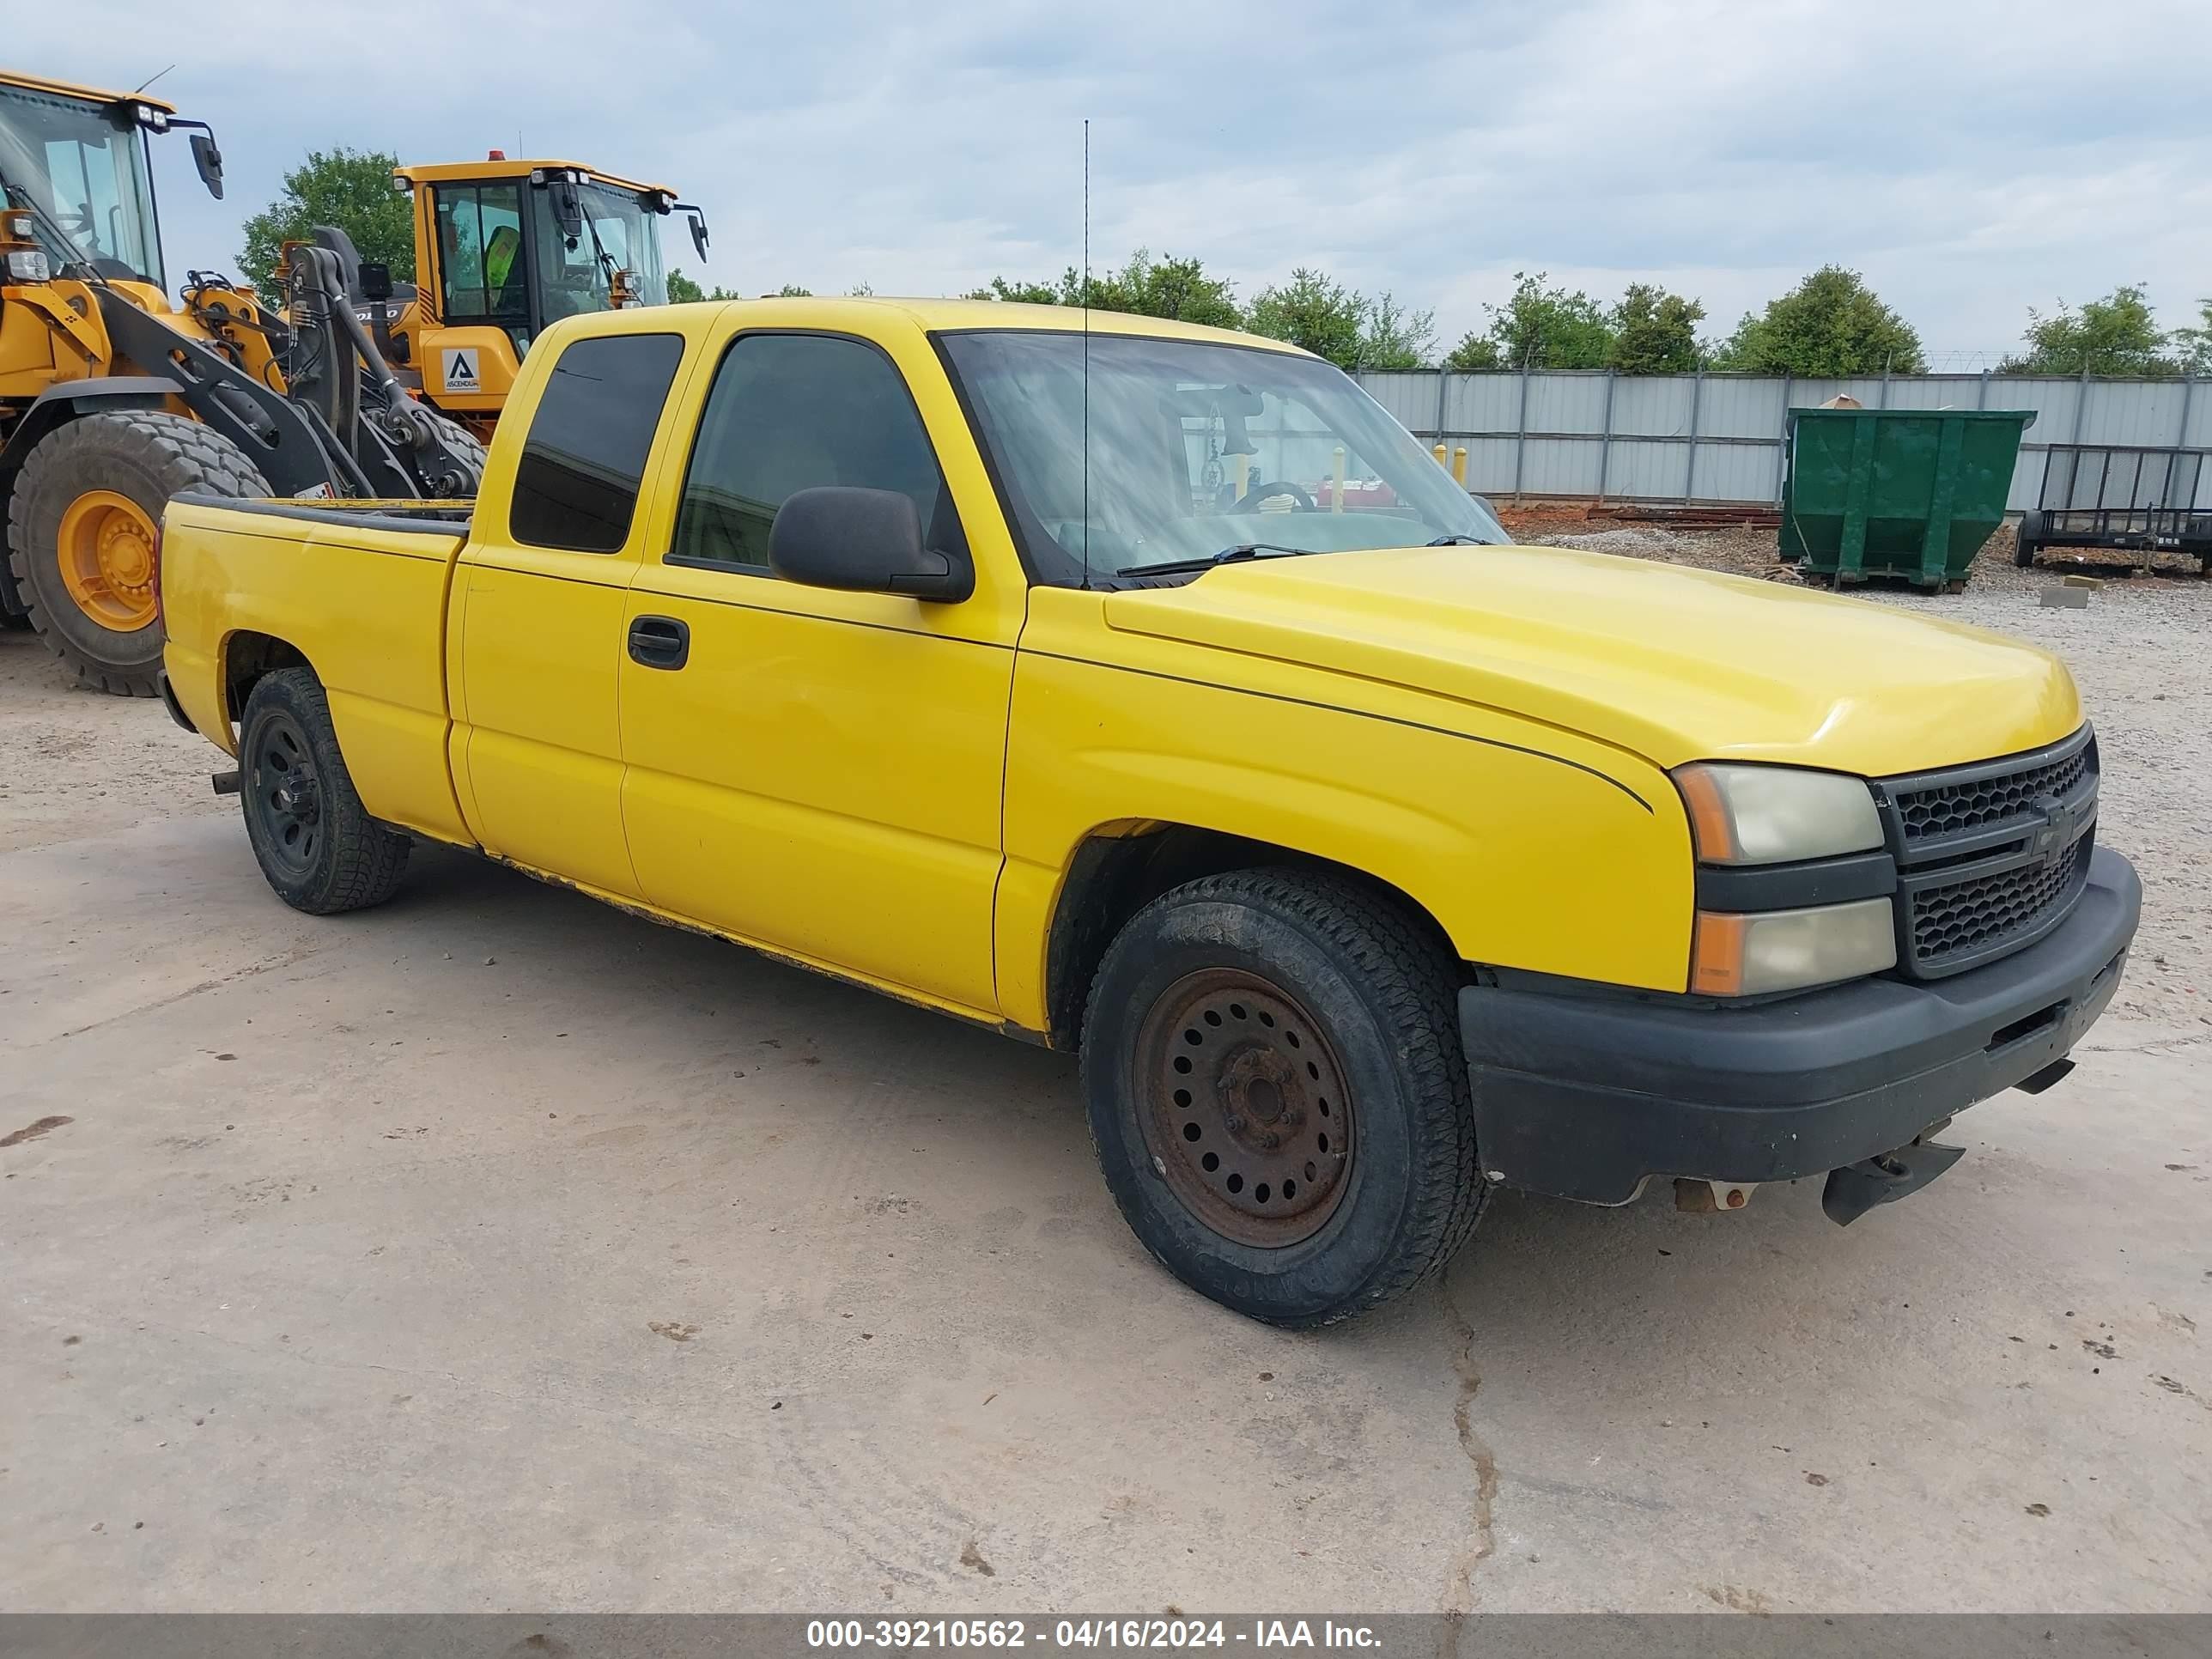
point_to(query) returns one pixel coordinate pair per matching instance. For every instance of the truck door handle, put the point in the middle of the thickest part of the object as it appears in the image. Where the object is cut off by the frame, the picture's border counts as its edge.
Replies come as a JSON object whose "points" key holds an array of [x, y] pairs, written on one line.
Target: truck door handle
{"points": [[660, 641]]}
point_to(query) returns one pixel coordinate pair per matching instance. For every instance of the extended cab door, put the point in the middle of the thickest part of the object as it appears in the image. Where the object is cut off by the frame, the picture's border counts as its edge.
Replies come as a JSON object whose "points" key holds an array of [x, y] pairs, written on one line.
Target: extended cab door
{"points": [[537, 618], [819, 772]]}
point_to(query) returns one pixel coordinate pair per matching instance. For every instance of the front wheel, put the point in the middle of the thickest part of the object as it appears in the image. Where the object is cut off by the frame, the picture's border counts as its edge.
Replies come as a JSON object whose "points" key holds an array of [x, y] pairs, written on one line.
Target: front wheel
{"points": [[1277, 1093], [81, 533]]}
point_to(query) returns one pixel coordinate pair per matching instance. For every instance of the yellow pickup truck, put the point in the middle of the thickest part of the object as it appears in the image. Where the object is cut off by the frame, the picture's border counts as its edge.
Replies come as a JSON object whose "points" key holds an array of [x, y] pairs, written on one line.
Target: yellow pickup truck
{"points": [[1143, 689]]}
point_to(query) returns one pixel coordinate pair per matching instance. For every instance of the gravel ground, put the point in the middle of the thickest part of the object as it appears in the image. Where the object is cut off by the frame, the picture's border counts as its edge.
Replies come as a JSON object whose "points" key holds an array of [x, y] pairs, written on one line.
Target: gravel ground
{"points": [[2139, 653]]}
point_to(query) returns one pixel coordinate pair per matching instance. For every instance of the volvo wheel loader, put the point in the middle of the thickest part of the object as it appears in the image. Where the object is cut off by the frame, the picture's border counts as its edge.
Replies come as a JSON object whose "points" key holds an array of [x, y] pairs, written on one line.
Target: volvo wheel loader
{"points": [[501, 248], [112, 399]]}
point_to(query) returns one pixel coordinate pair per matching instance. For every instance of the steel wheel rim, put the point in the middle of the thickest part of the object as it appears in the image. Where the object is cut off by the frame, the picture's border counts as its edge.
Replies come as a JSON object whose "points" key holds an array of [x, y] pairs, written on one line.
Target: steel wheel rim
{"points": [[1244, 1108], [285, 794], [105, 545]]}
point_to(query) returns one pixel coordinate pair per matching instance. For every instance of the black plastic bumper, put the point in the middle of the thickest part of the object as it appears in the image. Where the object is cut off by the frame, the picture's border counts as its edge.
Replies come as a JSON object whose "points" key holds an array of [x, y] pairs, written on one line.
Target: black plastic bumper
{"points": [[1586, 1097]]}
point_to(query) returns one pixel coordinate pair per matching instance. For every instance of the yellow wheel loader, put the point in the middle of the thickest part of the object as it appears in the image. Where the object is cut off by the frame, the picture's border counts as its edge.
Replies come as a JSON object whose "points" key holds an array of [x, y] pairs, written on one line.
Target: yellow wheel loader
{"points": [[503, 248], [113, 400]]}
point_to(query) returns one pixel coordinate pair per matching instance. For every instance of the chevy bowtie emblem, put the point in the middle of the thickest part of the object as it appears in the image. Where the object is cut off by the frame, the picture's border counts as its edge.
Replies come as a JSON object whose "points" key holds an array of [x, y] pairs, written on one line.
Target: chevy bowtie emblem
{"points": [[2052, 829]]}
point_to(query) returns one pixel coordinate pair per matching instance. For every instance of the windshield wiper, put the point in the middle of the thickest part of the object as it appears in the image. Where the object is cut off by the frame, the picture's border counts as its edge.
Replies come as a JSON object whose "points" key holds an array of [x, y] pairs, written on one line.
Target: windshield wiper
{"points": [[1235, 554], [1457, 541]]}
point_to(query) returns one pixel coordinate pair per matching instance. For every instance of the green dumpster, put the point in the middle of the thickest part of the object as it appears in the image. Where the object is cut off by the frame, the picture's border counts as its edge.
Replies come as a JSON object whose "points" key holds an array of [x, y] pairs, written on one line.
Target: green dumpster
{"points": [[1896, 492]]}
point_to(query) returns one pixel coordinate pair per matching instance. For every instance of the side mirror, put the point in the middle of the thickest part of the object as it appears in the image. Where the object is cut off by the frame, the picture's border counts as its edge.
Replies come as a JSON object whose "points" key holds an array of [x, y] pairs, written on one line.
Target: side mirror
{"points": [[697, 220], [568, 207], [376, 280], [866, 541], [208, 159]]}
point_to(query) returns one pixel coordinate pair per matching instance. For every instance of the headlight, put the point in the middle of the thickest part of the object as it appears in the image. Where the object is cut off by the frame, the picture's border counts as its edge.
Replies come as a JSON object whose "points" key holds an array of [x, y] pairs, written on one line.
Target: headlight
{"points": [[1742, 955], [28, 264], [1776, 814]]}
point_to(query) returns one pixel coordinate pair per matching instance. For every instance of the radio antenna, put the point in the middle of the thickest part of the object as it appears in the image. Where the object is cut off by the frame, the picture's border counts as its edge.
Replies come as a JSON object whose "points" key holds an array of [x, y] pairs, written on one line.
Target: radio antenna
{"points": [[1086, 351]]}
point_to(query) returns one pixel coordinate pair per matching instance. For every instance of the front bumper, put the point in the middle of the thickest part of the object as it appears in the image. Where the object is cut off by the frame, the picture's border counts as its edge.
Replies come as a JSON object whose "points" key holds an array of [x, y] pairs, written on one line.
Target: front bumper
{"points": [[1588, 1097]]}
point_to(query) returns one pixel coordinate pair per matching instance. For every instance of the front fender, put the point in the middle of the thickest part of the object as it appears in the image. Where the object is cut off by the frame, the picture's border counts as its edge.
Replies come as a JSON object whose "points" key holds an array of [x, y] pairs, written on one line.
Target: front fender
{"points": [[1531, 849]]}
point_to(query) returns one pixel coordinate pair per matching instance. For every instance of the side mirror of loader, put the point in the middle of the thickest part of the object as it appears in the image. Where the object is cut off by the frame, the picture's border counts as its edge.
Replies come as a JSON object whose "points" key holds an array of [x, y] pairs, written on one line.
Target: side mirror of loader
{"points": [[207, 158], [568, 208]]}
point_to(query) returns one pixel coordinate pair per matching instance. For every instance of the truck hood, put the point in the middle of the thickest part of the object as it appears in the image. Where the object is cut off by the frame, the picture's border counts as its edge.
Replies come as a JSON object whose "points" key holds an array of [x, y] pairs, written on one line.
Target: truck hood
{"points": [[1671, 664]]}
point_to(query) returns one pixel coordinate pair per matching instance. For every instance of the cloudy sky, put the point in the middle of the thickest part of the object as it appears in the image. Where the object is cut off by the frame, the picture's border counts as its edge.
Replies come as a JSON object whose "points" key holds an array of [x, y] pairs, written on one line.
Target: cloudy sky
{"points": [[1972, 159]]}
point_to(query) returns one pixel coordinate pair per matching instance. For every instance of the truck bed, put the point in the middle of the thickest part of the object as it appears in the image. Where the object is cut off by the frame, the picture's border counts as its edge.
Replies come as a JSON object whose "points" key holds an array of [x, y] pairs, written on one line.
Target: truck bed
{"points": [[359, 589]]}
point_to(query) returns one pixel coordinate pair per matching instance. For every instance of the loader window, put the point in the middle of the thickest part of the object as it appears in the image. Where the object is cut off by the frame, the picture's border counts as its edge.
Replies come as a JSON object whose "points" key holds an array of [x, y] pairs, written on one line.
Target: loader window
{"points": [[83, 167], [796, 411], [480, 274], [576, 485]]}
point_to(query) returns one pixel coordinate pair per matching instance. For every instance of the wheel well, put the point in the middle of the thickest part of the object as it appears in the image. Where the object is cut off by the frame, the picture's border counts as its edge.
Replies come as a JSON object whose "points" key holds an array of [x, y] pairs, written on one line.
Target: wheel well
{"points": [[1119, 869], [247, 660]]}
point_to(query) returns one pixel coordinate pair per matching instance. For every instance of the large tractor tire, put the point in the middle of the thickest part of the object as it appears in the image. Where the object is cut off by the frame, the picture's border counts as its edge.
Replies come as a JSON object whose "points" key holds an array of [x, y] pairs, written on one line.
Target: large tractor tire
{"points": [[81, 534]]}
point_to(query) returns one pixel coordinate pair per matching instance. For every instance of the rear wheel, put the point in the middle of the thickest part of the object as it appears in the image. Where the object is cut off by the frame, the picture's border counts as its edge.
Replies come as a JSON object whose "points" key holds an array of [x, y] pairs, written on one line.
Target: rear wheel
{"points": [[1277, 1094], [2025, 539], [81, 534], [315, 841]]}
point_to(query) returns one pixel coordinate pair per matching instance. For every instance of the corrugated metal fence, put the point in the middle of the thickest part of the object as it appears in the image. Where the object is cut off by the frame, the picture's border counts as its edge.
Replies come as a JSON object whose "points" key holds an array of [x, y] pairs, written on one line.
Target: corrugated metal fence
{"points": [[1588, 433]]}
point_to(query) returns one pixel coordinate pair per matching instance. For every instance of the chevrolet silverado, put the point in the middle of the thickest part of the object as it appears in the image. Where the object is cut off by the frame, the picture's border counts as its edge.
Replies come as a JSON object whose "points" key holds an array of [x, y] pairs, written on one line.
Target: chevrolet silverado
{"points": [[1056, 676]]}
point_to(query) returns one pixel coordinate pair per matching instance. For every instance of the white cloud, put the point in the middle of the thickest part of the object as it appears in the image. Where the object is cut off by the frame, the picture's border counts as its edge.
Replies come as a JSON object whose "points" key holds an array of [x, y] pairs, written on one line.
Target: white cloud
{"points": [[1972, 159]]}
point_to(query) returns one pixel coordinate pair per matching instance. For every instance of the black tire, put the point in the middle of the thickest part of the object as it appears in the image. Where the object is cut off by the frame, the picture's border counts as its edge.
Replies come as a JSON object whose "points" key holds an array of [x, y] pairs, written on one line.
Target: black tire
{"points": [[1379, 991], [314, 841], [145, 456], [2024, 540]]}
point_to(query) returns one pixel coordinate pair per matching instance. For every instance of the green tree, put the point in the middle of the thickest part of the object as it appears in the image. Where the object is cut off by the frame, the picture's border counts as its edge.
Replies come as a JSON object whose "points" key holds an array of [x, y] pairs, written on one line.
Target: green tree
{"points": [[1391, 336], [2116, 335], [1179, 288], [1312, 311], [1474, 351], [2195, 344], [1165, 287], [349, 188], [1542, 327], [682, 290], [1830, 326], [1026, 293], [1655, 333]]}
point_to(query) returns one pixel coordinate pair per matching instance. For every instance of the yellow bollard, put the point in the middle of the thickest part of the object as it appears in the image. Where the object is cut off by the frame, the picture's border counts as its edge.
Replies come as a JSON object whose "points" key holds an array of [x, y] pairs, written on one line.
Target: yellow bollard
{"points": [[1243, 475], [1337, 504], [1443, 455], [1459, 466]]}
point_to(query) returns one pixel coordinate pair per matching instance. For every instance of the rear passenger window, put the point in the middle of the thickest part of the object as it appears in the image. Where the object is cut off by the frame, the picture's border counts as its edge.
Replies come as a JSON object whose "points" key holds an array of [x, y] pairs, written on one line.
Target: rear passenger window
{"points": [[789, 412], [576, 485]]}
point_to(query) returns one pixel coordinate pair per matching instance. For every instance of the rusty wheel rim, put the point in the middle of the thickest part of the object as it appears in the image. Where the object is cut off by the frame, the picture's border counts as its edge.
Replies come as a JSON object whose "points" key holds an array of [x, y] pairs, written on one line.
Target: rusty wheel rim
{"points": [[1243, 1108]]}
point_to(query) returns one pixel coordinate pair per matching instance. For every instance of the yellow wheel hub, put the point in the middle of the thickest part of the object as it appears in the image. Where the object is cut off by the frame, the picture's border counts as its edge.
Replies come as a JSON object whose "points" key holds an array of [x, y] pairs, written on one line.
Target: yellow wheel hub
{"points": [[106, 549]]}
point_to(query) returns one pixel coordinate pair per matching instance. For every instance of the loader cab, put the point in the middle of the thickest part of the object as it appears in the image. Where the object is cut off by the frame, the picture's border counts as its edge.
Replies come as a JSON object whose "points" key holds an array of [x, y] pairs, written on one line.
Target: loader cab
{"points": [[77, 177], [504, 248]]}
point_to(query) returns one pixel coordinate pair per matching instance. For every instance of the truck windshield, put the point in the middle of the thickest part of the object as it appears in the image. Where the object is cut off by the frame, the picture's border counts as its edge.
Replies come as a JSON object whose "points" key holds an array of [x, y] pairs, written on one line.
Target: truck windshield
{"points": [[1194, 448], [82, 166], [574, 280]]}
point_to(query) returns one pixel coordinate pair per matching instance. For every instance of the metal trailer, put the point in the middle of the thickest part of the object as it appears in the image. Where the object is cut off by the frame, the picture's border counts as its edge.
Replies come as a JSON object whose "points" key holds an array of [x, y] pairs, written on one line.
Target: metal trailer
{"points": [[2122, 495]]}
